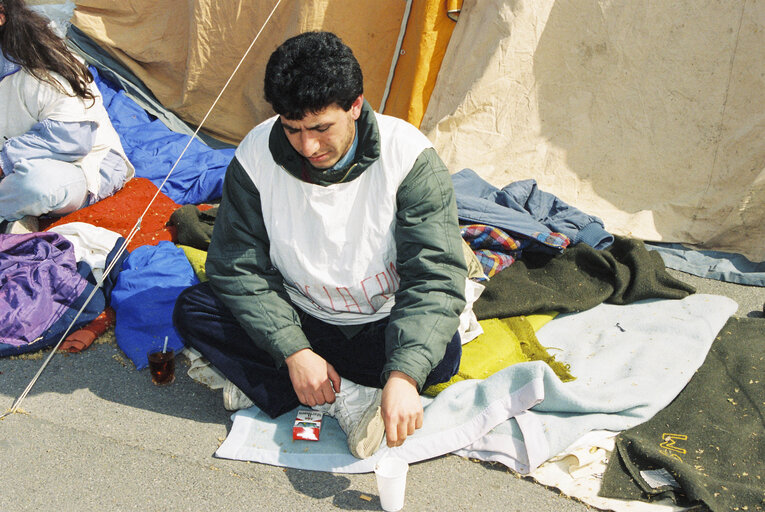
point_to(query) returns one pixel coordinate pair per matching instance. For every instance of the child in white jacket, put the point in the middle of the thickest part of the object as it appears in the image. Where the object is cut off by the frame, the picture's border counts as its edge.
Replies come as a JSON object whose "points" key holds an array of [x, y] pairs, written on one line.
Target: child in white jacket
{"points": [[59, 150]]}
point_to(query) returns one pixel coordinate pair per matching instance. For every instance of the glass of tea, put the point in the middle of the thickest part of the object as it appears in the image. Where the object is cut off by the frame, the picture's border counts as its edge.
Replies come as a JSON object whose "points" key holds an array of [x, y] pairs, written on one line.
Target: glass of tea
{"points": [[162, 366]]}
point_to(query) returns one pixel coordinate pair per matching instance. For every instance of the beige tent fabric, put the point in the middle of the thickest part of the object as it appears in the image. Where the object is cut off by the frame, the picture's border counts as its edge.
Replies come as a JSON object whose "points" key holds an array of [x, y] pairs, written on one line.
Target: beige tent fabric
{"points": [[185, 51], [647, 114]]}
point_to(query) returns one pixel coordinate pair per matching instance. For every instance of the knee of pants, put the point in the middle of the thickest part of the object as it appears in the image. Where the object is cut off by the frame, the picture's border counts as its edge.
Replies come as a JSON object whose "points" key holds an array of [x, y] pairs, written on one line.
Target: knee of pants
{"points": [[39, 195], [182, 311], [191, 305]]}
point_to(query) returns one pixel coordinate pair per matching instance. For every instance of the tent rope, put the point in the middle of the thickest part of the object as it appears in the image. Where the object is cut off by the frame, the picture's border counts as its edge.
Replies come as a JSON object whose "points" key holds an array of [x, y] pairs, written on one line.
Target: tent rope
{"points": [[14, 408]]}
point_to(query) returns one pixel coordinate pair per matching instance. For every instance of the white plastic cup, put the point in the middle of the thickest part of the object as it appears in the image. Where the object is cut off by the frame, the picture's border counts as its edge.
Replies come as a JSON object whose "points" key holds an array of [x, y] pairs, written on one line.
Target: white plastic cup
{"points": [[391, 482]]}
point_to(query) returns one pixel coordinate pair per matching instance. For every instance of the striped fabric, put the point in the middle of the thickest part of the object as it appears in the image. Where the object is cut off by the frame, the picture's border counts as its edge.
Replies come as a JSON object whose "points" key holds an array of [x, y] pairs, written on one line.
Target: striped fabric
{"points": [[497, 250]]}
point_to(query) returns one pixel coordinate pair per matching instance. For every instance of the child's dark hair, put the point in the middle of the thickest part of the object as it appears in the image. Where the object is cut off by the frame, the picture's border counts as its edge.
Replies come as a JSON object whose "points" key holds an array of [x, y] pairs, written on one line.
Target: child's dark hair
{"points": [[310, 72], [27, 39]]}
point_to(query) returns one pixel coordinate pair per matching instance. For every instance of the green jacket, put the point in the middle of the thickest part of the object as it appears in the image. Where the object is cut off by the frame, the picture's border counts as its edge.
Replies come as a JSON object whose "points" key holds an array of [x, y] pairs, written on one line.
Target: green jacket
{"points": [[429, 257]]}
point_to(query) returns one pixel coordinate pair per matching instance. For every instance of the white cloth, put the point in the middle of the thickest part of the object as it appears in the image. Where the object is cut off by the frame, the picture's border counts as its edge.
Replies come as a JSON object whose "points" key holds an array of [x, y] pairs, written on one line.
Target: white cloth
{"points": [[578, 472], [92, 244], [469, 328], [202, 371], [629, 362], [334, 245]]}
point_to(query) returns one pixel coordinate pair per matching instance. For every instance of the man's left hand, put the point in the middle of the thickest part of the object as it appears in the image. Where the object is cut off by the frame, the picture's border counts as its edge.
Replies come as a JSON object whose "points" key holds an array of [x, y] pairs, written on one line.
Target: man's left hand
{"points": [[401, 408]]}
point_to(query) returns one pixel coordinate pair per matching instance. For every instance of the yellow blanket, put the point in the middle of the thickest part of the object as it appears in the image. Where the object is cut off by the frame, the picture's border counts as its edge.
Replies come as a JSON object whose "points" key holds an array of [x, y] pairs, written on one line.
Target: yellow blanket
{"points": [[197, 258], [504, 341]]}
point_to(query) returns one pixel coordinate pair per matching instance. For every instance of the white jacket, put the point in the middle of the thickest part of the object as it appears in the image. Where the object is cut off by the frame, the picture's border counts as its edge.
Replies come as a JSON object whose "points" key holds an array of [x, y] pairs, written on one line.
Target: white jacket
{"points": [[26, 101]]}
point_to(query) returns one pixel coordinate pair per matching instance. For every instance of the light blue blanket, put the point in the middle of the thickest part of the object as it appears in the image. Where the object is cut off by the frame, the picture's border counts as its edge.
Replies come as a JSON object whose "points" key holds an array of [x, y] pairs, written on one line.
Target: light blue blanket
{"points": [[629, 362]]}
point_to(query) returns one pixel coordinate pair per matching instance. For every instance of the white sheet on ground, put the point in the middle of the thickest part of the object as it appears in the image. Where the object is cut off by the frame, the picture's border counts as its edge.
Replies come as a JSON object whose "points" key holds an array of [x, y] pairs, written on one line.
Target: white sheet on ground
{"points": [[578, 472], [629, 362]]}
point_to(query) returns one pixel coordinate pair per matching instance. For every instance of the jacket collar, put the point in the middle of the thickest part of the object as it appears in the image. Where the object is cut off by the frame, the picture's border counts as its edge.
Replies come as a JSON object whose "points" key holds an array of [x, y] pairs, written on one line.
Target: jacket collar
{"points": [[7, 66], [367, 152]]}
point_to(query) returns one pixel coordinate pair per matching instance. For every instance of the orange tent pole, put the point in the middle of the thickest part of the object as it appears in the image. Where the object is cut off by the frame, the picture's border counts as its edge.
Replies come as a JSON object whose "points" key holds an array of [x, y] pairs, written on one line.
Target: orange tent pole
{"points": [[428, 31]]}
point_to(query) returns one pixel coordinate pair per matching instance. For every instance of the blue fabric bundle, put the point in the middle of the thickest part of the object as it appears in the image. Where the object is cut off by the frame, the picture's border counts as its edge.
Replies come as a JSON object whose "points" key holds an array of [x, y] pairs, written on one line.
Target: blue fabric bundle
{"points": [[152, 277], [153, 149]]}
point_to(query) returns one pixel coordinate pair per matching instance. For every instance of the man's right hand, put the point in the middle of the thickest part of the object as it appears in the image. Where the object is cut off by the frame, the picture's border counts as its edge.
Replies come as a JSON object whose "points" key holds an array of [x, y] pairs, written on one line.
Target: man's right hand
{"points": [[315, 380]]}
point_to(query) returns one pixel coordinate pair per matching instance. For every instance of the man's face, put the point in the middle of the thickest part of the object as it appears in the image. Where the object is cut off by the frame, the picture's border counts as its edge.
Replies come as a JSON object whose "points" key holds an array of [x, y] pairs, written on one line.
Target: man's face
{"points": [[324, 138]]}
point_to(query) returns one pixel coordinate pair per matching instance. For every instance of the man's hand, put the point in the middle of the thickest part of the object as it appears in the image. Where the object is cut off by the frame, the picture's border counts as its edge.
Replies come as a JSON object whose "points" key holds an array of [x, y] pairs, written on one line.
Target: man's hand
{"points": [[315, 380], [401, 408]]}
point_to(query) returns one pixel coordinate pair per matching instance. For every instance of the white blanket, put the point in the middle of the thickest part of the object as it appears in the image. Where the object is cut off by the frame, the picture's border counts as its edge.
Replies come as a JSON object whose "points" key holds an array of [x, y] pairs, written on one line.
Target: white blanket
{"points": [[629, 362]]}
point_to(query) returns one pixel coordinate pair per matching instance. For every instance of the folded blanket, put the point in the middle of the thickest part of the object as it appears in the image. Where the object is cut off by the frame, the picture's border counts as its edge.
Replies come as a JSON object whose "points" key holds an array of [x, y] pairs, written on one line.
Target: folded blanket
{"points": [[708, 445], [629, 362], [579, 279]]}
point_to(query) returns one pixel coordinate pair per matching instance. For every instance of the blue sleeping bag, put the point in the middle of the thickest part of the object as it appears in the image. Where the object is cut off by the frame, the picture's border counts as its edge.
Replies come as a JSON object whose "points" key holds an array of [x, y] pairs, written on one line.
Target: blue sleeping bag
{"points": [[153, 149]]}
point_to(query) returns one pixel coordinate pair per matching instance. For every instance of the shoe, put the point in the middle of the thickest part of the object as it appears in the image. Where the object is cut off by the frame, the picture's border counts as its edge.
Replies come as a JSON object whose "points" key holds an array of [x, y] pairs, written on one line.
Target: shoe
{"points": [[234, 398], [357, 409], [26, 224]]}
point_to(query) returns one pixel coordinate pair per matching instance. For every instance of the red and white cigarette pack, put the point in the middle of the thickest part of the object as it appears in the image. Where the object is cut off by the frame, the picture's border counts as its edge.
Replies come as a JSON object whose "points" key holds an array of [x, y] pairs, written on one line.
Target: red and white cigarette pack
{"points": [[307, 425]]}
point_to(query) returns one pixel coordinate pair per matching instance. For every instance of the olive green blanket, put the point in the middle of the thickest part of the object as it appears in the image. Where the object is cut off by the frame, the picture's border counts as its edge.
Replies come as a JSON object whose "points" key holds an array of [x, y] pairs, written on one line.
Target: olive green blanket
{"points": [[708, 445], [578, 279]]}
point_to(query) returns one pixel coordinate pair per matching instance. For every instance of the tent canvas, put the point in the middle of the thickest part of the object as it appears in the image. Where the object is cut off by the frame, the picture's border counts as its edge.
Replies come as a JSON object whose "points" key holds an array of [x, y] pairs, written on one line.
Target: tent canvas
{"points": [[186, 62], [644, 114]]}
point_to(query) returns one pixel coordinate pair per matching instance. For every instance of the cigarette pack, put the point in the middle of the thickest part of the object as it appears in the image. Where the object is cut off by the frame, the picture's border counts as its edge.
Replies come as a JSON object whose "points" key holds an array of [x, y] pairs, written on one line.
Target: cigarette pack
{"points": [[307, 425]]}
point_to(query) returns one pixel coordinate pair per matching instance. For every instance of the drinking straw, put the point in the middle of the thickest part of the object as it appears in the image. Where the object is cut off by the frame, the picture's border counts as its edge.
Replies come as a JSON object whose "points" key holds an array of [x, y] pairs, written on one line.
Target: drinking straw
{"points": [[164, 348]]}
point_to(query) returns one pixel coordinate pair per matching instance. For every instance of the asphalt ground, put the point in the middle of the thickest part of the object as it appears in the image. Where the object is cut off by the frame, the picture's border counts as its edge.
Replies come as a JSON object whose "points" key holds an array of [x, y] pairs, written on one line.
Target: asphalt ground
{"points": [[96, 435]]}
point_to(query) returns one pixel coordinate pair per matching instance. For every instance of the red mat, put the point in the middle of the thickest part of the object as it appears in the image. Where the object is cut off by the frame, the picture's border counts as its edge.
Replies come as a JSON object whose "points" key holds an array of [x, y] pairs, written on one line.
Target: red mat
{"points": [[120, 212]]}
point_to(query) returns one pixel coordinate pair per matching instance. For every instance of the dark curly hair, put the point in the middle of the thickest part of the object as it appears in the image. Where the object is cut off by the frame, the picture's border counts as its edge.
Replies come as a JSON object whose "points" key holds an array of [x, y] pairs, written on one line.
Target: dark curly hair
{"points": [[310, 72], [27, 39]]}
